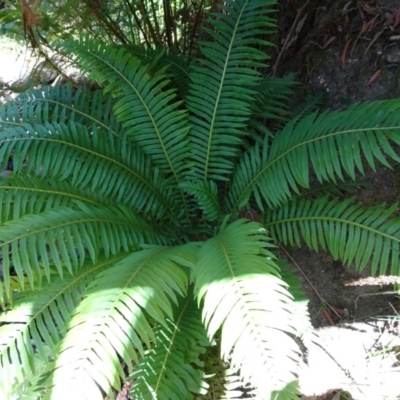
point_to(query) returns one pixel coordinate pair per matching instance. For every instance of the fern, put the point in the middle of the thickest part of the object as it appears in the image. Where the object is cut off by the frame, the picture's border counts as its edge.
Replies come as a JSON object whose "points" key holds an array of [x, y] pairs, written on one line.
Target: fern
{"points": [[123, 254]]}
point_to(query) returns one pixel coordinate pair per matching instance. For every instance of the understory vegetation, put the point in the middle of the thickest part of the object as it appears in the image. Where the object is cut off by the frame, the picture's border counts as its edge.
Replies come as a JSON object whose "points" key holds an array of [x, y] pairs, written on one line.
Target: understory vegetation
{"points": [[141, 215]]}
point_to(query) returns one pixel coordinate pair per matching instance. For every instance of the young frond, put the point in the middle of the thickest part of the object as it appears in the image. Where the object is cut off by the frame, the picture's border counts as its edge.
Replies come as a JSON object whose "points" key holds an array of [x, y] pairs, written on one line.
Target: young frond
{"points": [[350, 232], [115, 318], [221, 91], [206, 193], [172, 369], [238, 283], [335, 142]]}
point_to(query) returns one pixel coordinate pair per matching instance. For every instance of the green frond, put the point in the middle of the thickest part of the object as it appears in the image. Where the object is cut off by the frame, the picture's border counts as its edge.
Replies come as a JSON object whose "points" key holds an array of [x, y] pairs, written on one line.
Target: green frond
{"points": [[93, 160], [273, 97], [24, 194], [147, 111], [30, 330], [310, 104], [172, 369], [335, 143], [350, 232], [223, 87], [237, 280], [206, 193], [65, 237], [61, 104], [176, 65], [114, 321]]}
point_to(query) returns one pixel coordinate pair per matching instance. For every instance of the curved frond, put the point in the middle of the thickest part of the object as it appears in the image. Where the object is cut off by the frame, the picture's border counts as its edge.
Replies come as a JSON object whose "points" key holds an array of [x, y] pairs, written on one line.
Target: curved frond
{"points": [[350, 232], [335, 142], [206, 194], [65, 237], [222, 88], [151, 118], [172, 369], [30, 330], [113, 323], [98, 161], [243, 296]]}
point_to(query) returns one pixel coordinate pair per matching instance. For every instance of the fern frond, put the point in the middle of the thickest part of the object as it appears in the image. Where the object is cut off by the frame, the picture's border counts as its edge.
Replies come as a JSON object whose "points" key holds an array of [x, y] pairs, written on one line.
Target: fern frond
{"points": [[66, 236], [243, 296], [272, 97], [350, 232], [206, 193], [336, 142], [222, 88], [95, 160], [113, 322], [37, 321], [171, 370], [151, 118], [176, 65], [24, 194], [61, 104]]}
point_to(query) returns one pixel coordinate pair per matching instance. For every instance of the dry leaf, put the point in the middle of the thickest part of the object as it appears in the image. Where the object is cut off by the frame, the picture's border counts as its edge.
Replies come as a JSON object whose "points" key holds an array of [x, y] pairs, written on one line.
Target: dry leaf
{"points": [[344, 51], [374, 77]]}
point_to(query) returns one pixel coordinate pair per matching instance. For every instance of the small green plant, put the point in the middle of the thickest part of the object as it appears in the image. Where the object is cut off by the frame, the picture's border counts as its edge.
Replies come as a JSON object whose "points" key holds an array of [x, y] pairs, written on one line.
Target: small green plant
{"points": [[140, 222]]}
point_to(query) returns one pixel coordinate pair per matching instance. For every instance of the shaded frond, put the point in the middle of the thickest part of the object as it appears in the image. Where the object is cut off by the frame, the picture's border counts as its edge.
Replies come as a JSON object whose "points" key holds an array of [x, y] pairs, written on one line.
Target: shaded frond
{"points": [[206, 193], [238, 282], [113, 322], [65, 237], [93, 160], [147, 111], [310, 104], [176, 65], [172, 369], [272, 98], [335, 143], [223, 87], [30, 330], [350, 232]]}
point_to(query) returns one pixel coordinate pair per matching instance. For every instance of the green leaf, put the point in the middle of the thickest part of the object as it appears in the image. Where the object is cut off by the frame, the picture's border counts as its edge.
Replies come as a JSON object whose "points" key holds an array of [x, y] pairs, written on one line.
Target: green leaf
{"points": [[350, 232], [171, 370], [222, 88], [333, 142], [114, 318], [238, 282]]}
